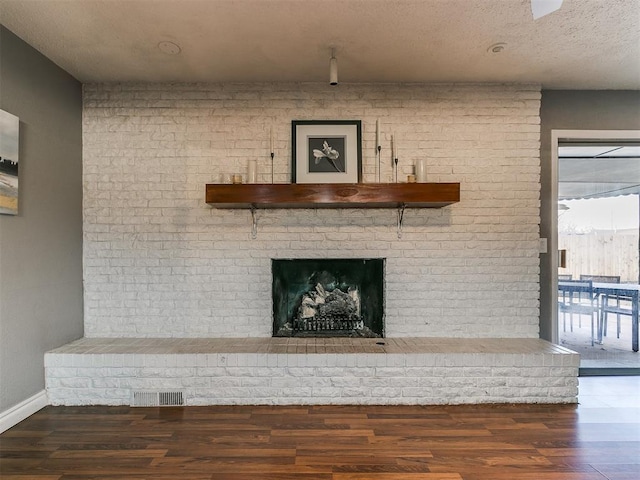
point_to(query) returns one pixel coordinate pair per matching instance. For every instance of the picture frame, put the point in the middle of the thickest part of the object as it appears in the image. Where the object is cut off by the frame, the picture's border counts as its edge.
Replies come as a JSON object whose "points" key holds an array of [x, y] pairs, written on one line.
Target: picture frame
{"points": [[326, 151], [9, 149]]}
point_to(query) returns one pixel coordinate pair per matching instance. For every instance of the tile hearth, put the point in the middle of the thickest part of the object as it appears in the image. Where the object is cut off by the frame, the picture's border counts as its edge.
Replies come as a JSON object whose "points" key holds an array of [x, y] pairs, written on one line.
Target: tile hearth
{"points": [[420, 345]]}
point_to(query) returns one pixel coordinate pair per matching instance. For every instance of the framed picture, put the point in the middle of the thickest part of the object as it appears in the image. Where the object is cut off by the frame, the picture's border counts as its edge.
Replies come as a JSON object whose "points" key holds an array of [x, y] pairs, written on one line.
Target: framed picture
{"points": [[326, 151], [9, 125]]}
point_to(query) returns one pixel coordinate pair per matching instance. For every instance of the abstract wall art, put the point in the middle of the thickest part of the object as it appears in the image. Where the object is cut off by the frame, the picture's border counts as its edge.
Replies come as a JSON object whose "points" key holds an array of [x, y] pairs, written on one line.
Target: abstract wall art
{"points": [[9, 130]]}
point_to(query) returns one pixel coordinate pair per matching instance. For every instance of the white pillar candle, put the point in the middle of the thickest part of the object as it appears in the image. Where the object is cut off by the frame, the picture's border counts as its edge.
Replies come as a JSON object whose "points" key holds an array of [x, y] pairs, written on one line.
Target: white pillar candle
{"points": [[271, 141], [394, 144], [252, 173], [421, 170]]}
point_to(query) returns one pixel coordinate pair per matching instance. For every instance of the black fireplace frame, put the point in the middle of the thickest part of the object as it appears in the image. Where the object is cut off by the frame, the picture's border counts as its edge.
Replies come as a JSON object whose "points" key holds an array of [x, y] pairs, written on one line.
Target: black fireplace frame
{"points": [[293, 277]]}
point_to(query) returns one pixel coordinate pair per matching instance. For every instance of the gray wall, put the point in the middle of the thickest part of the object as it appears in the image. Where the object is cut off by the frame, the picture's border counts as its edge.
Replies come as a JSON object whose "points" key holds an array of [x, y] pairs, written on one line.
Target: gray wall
{"points": [[574, 110], [41, 248]]}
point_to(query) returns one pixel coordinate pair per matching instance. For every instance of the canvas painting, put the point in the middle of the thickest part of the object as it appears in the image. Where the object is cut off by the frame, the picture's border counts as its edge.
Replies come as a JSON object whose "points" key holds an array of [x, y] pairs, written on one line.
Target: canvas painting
{"points": [[9, 126]]}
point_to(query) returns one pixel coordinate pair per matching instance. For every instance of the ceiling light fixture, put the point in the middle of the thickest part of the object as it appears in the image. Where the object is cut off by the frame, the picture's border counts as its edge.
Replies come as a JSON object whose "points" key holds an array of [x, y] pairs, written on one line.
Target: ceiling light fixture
{"points": [[497, 47], [333, 68], [169, 48]]}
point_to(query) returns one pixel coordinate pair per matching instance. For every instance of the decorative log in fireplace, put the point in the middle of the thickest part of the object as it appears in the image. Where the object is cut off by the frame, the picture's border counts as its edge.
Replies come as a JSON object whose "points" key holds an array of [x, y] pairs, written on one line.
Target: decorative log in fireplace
{"points": [[328, 297]]}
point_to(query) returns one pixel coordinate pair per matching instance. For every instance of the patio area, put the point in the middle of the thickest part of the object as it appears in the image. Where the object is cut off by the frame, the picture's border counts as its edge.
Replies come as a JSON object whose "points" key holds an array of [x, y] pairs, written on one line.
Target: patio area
{"points": [[612, 353]]}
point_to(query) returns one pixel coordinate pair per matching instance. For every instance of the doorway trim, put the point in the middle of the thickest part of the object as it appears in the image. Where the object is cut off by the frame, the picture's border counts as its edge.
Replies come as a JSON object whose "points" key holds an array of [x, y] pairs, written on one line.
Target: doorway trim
{"points": [[558, 136]]}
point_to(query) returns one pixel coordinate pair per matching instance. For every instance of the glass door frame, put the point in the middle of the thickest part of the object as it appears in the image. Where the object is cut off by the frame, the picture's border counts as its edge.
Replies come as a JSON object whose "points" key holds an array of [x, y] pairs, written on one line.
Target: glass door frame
{"points": [[558, 136]]}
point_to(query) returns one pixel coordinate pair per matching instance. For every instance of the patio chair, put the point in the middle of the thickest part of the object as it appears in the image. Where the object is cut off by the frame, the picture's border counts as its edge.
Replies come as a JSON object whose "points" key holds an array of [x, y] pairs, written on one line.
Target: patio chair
{"points": [[579, 298], [609, 303], [563, 294]]}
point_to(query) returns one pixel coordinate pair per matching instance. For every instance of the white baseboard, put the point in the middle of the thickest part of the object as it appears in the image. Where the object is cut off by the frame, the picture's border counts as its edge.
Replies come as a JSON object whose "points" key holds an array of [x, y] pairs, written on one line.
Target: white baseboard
{"points": [[23, 410]]}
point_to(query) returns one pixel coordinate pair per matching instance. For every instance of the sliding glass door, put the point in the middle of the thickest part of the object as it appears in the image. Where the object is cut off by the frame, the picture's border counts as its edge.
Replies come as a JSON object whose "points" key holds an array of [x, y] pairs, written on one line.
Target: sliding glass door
{"points": [[598, 193]]}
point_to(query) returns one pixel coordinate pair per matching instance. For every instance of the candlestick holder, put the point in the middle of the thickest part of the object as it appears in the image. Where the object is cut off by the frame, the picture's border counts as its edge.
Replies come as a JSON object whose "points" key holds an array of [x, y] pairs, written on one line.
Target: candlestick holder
{"points": [[272, 155]]}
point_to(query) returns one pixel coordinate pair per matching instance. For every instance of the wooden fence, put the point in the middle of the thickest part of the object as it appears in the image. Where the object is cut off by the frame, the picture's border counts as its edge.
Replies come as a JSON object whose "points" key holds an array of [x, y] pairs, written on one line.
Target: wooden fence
{"points": [[601, 253]]}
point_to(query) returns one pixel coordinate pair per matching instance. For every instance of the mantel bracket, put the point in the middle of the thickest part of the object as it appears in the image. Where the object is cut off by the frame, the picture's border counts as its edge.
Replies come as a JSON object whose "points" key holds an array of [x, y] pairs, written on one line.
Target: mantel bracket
{"points": [[254, 222], [400, 219]]}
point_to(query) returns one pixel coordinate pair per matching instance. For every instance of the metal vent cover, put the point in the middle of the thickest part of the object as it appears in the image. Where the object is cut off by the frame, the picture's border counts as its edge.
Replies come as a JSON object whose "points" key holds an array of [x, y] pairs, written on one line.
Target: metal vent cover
{"points": [[157, 399]]}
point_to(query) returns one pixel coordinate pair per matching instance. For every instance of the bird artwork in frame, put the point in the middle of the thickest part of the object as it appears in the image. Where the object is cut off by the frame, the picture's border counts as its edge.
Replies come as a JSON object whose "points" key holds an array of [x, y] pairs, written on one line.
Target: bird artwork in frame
{"points": [[326, 151]]}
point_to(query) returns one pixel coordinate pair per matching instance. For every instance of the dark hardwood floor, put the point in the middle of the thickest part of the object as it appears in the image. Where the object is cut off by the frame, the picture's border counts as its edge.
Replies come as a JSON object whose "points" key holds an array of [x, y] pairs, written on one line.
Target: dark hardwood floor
{"points": [[595, 441]]}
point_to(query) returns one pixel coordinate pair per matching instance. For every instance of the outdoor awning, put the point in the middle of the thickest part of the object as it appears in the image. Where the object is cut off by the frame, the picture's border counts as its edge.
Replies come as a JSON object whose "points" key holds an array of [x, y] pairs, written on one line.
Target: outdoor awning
{"points": [[598, 171]]}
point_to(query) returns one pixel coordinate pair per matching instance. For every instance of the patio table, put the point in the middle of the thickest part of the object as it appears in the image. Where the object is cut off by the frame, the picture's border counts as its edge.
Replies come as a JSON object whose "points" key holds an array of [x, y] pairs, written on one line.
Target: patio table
{"points": [[625, 291]]}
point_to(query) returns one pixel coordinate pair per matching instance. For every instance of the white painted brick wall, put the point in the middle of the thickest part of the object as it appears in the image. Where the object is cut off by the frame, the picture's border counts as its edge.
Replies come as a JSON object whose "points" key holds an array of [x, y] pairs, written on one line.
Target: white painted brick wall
{"points": [[283, 379], [159, 262]]}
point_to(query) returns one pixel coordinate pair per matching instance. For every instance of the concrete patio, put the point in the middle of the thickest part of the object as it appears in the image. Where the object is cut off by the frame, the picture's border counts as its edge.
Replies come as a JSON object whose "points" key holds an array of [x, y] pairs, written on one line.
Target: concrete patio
{"points": [[612, 353]]}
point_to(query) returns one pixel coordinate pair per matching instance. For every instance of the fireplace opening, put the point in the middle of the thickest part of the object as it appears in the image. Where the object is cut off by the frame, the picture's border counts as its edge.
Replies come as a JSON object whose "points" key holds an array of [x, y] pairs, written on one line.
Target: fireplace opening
{"points": [[328, 297]]}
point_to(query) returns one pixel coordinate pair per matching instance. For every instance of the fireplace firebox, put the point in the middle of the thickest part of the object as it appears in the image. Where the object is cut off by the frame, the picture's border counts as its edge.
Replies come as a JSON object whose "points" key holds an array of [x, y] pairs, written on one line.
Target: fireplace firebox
{"points": [[328, 297]]}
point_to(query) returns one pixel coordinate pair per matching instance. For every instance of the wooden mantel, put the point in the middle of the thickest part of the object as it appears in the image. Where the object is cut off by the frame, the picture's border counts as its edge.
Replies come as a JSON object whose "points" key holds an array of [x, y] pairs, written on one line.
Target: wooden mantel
{"points": [[333, 195]]}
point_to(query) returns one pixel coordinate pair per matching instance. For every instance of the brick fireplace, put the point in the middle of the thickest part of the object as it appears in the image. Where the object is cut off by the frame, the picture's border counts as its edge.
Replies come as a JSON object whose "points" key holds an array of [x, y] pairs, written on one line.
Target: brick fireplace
{"points": [[160, 262], [178, 294]]}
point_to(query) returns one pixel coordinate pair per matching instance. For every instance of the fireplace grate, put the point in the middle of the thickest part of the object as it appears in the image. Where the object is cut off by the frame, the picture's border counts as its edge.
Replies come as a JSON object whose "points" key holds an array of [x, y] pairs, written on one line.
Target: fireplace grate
{"points": [[318, 325]]}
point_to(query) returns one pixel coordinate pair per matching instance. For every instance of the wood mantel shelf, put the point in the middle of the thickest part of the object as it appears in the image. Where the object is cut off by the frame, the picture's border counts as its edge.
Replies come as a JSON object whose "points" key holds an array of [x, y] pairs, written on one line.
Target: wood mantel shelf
{"points": [[333, 195]]}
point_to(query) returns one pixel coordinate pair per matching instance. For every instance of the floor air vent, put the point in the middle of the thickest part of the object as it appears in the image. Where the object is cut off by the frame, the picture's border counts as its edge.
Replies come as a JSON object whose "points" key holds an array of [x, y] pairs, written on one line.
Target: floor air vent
{"points": [[157, 399]]}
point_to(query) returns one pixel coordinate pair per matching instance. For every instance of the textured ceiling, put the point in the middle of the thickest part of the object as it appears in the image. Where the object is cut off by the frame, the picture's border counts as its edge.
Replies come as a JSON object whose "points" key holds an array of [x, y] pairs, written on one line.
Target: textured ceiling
{"points": [[587, 44]]}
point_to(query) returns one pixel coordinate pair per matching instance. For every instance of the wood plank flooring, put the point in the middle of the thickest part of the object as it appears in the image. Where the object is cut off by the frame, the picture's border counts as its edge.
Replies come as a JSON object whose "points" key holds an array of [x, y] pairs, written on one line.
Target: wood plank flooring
{"points": [[540, 442]]}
